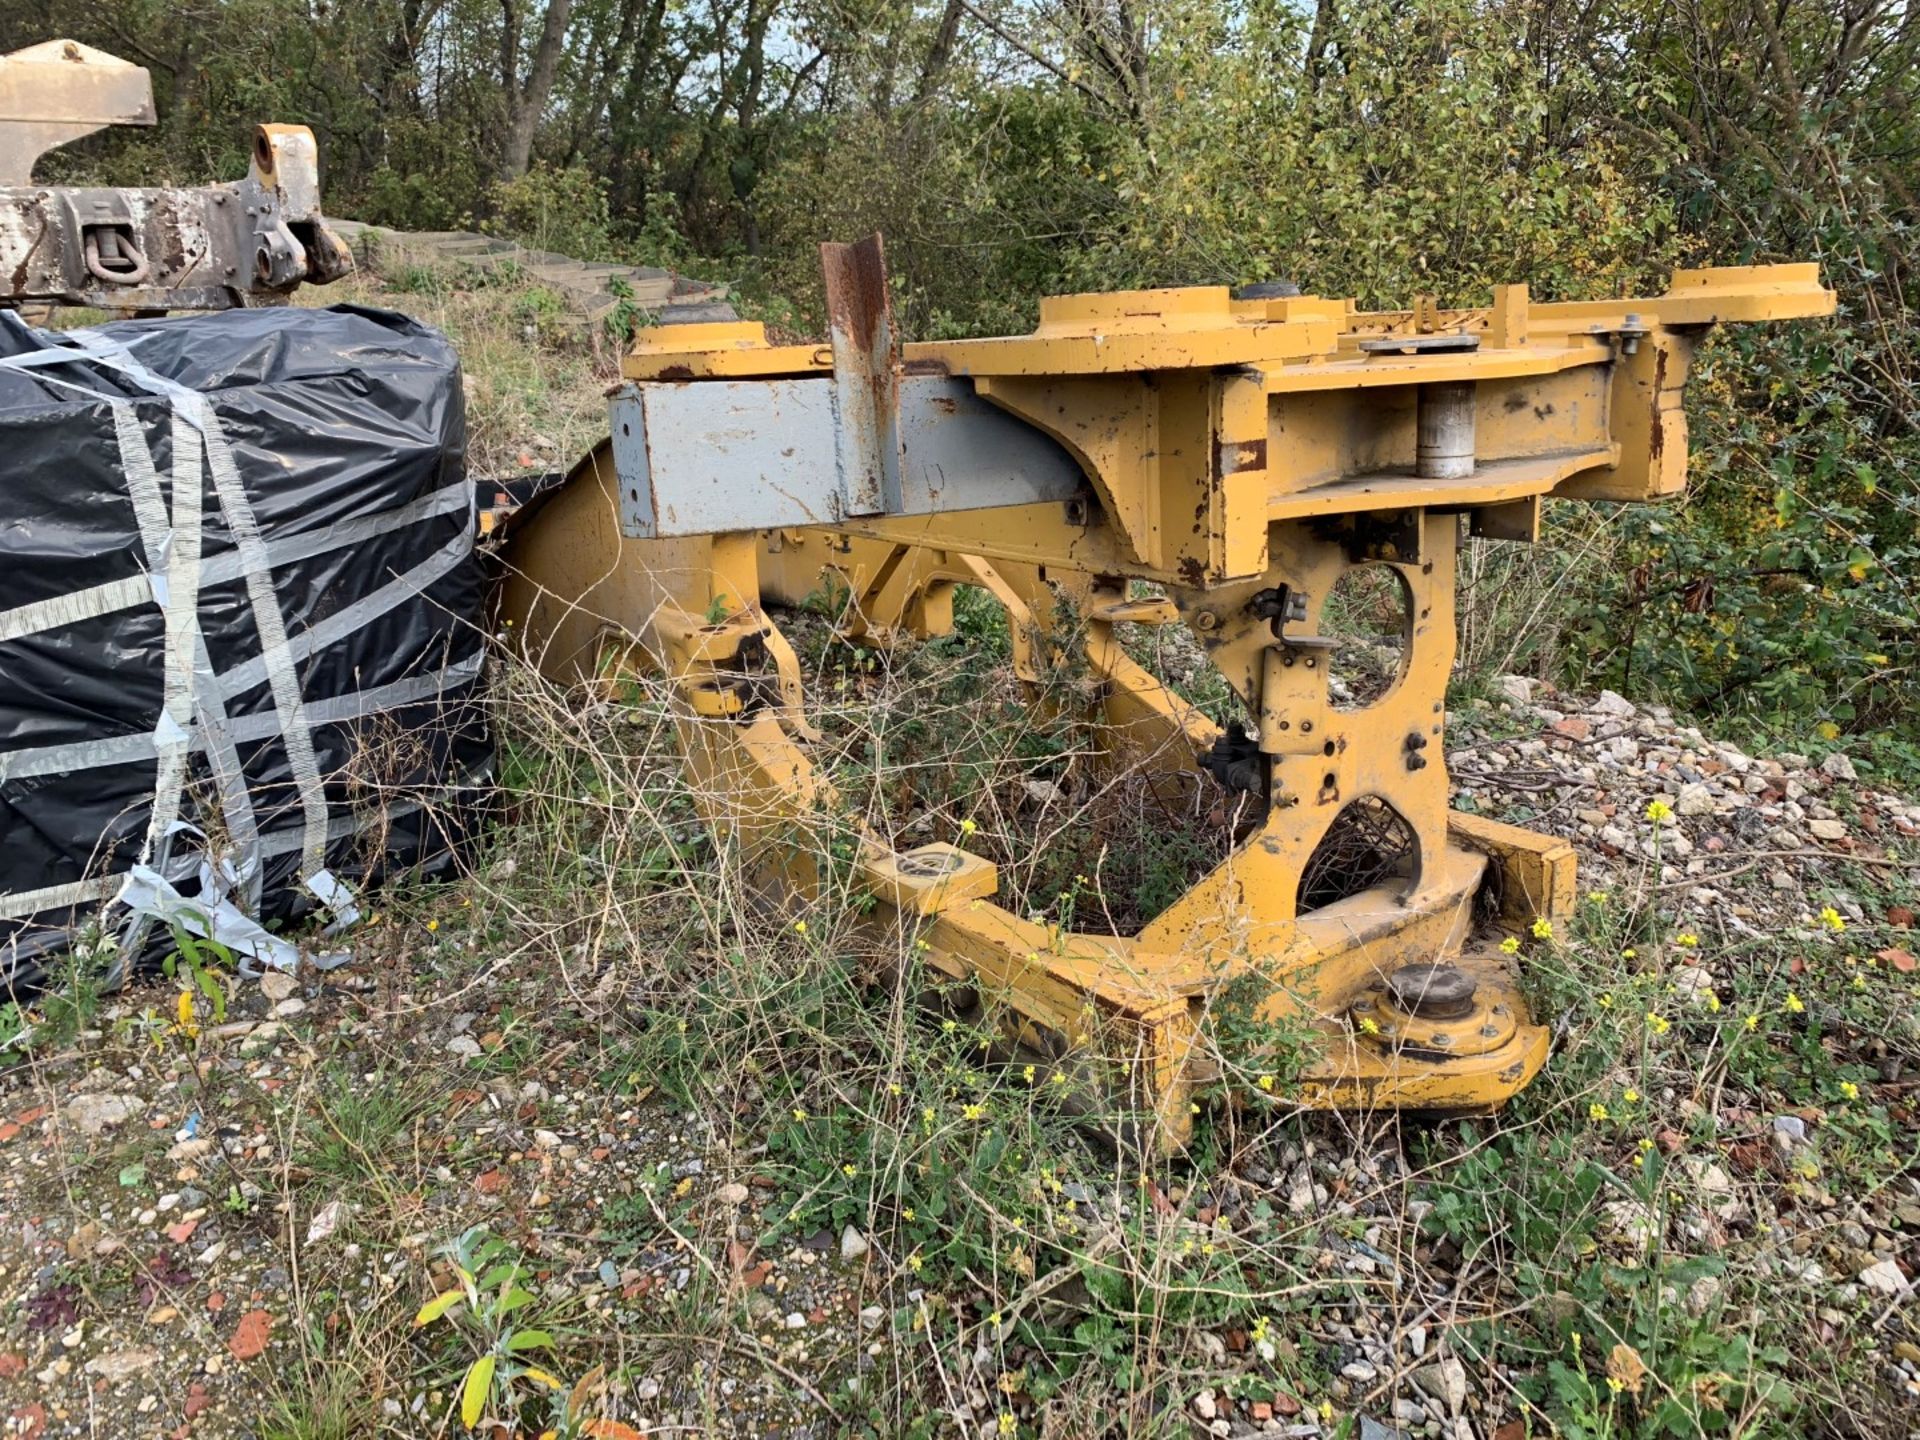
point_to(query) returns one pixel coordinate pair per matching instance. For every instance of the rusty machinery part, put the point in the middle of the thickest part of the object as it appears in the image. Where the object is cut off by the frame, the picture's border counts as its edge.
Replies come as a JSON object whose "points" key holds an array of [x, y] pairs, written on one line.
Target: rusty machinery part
{"points": [[214, 247], [1243, 452]]}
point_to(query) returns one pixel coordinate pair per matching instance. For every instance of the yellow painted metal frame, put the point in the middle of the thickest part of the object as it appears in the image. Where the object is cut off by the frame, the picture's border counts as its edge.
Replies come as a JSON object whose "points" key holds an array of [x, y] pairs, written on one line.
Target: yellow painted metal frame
{"points": [[1233, 449]]}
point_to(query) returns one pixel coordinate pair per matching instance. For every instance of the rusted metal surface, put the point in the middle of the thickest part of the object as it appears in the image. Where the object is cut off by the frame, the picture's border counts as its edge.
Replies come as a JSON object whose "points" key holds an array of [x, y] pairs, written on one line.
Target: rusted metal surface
{"points": [[215, 247], [866, 380]]}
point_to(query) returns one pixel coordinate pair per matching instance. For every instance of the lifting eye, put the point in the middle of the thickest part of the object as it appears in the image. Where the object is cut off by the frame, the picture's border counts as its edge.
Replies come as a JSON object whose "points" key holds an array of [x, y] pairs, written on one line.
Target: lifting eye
{"points": [[113, 256]]}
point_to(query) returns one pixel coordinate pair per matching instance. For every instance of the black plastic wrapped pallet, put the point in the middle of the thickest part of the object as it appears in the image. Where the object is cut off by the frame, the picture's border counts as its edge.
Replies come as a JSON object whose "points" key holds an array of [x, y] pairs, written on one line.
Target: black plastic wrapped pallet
{"points": [[335, 590]]}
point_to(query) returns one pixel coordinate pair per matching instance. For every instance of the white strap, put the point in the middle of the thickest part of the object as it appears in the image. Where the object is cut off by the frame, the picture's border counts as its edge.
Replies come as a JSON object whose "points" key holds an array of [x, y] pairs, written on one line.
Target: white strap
{"points": [[135, 590], [21, 903], [275, 657], [172, 546], [240, 729]]}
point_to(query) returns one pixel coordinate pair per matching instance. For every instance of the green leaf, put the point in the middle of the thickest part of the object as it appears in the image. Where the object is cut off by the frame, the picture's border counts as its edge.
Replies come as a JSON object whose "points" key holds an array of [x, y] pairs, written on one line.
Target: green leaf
{"points": [[438, 1306], [498, 1275], [473, 1394], [513, 1300], [216, 995], [530, 1340]]}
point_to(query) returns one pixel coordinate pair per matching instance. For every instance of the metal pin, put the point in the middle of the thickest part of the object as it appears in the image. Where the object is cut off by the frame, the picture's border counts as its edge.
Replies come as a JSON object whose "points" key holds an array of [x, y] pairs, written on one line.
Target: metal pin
{"points": [[1444, 426]]}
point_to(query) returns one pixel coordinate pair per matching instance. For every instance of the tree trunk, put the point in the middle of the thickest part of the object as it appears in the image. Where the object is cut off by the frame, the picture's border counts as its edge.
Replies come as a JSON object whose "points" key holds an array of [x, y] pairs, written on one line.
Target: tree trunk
{"points": [[744, 172], [940, 51], [528, 103]]}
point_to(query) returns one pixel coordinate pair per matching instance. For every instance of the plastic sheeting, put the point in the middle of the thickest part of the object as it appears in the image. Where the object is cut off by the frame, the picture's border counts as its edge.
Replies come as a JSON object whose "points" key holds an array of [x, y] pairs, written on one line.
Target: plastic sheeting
{"points": [[240, 658]]}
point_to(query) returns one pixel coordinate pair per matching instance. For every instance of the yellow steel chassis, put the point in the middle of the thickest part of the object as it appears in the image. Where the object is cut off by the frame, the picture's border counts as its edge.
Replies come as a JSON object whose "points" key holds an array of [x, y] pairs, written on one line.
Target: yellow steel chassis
{"points": [[1241, 454]]}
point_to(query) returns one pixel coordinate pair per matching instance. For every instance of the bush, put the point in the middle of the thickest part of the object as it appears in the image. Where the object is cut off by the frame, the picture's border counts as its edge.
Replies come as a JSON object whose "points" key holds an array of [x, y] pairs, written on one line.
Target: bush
{"points": [[559, 210]]}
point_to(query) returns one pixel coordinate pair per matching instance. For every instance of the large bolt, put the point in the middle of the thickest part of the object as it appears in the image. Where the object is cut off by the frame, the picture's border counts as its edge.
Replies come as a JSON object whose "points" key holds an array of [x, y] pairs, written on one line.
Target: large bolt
{"points": [[1432, 991]]}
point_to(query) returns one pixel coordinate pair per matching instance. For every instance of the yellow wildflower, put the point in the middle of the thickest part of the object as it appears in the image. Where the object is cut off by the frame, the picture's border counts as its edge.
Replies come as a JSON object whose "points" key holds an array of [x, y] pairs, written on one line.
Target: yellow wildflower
{"points": [[974, 1111], [798, 1113], [1753, 1022], [1833, 920], [1658, 1024], [799, 927], [1631, 1096], [1369, 1026], [1659, 810], [1543, 929], [1510, 945], [1793, 1004], [1596, 1112], [1686, 939], [1266, 1082], [1850, 1090], [433, 925], [849, 1170], [967, 827], [1598, 897]]}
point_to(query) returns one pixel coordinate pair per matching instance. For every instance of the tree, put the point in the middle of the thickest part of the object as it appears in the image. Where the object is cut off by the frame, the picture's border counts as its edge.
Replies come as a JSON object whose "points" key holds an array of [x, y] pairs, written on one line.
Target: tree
{"points": [[527, 98]]}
